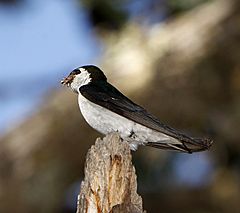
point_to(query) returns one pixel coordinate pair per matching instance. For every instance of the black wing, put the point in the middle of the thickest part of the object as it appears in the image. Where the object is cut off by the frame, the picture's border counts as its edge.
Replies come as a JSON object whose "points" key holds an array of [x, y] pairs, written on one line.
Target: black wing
{"points": [[105, 95]]}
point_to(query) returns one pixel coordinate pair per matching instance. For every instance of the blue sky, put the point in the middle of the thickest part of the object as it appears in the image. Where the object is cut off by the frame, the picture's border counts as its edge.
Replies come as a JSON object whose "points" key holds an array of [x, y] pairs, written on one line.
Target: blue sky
{"points": [[40, 42]]}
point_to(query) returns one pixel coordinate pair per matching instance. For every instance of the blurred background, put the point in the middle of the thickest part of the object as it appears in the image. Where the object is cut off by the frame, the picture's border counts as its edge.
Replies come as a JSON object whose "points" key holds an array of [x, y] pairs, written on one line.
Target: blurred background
{"points": [[177, 58]]}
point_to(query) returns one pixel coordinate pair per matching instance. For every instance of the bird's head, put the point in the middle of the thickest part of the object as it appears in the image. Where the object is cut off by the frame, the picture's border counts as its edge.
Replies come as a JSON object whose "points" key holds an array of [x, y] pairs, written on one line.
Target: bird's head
{"points": [[82, 76]]}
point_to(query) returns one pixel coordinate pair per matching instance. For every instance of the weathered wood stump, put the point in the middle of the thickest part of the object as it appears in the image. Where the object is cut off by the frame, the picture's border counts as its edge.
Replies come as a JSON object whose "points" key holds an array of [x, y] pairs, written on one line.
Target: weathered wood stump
{"points": [[110, 183]]}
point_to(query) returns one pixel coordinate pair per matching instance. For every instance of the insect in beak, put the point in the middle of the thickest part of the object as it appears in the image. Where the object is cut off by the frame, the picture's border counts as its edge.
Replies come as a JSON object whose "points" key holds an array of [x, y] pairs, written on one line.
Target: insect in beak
{"points": [[68, 80]]}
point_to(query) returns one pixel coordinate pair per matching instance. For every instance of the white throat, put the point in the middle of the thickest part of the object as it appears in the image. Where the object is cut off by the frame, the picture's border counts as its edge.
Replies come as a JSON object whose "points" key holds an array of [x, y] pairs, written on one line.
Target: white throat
{"points": [[81, 79]]}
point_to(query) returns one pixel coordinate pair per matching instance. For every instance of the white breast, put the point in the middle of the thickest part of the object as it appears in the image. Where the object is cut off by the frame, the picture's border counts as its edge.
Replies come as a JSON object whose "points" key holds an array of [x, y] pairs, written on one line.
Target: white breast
{"points": [[105, 121], [102, 119]]}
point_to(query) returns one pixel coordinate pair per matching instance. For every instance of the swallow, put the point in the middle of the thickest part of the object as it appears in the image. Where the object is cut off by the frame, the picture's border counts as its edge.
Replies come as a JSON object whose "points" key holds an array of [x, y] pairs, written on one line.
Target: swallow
{"points": [[107, 110]]}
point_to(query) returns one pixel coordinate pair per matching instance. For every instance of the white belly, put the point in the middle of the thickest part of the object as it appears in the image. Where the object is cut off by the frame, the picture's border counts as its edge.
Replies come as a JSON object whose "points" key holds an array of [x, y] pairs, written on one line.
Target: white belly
{"points": [[105, 121]]}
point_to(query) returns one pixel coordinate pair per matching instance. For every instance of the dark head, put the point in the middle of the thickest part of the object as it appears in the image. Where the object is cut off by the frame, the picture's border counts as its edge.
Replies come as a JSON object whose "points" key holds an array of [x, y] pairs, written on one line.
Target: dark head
{"points": [[82, 76]]}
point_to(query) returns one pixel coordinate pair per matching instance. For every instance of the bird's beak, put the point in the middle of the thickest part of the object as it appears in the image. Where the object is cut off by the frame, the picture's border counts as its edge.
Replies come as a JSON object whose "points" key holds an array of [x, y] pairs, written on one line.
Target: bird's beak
{"points": [[68, 80]]}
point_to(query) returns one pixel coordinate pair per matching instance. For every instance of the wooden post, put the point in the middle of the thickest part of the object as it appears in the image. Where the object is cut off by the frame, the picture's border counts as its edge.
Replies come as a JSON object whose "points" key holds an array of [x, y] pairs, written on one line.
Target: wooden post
{"points": [[110, 183]]}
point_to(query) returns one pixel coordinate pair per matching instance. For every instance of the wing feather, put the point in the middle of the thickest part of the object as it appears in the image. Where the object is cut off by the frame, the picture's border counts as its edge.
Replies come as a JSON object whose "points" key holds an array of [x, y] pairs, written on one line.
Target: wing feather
{"points": [[105, 95]]}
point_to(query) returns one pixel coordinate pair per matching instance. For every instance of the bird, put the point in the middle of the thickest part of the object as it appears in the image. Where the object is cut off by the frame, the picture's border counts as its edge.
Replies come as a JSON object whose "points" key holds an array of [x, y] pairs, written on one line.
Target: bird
{"points": [[107, 110]]}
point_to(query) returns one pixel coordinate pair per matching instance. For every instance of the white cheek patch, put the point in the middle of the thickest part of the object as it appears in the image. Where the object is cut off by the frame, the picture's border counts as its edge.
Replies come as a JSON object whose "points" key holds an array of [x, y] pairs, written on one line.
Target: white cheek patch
{"points": [[84, 77], [82, 69], [81, 79]]}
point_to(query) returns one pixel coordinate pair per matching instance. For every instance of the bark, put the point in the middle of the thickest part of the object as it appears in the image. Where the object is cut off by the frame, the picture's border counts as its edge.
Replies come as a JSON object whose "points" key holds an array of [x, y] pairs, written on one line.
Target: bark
{"points": [[110, 183]]}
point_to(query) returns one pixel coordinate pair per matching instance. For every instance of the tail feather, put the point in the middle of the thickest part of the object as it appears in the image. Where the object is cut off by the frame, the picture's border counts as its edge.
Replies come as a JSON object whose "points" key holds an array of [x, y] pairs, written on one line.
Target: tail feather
{"points": [[188, 146]]}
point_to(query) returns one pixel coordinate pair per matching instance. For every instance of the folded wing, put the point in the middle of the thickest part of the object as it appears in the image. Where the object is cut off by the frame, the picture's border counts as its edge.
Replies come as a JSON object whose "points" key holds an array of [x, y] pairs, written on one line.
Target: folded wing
{"points": [[107, 96]]}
